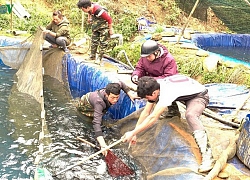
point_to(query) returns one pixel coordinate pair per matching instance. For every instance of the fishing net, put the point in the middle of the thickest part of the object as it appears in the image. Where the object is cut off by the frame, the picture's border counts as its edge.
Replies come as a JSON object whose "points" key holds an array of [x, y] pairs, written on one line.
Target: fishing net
{"points": [[116, 167], [30, 73], [167, 150], [13, 54], [52, 63]]}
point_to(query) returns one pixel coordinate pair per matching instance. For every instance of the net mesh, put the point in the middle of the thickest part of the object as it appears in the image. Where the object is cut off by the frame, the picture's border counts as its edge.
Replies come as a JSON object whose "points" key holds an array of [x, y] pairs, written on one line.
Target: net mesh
{"points": [[30, 73], [168, 149], [116, 167], [232, 13], [14, 54]]}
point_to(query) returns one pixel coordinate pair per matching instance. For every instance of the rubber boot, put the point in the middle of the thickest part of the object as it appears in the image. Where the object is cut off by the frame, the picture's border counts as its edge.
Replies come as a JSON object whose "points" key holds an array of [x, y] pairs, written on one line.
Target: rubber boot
{"points": [[99, 59], [207, 161], [92, 57]]}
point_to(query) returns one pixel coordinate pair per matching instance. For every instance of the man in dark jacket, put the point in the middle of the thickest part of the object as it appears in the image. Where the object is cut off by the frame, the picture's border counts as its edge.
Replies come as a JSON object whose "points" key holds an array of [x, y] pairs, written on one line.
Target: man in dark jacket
{"points": [[95, 104], [158, 63], [101, 27]]}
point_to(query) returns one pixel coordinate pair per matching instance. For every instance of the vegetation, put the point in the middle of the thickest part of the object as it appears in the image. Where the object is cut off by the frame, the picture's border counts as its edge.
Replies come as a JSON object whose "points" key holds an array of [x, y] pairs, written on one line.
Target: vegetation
{"points": [[124, 21]]}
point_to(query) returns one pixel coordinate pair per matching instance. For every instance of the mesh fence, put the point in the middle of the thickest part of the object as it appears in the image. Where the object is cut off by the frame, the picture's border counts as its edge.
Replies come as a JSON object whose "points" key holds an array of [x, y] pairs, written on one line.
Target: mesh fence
{"points": [[233, 13]]}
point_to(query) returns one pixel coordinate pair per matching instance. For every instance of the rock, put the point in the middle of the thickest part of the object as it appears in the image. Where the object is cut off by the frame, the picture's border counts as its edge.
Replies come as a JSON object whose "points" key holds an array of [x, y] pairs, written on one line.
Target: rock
{"points": [[202, 53], [210, 63], [188, 46], [187, 35], [223, 175], [156, 36], [168, 34]]}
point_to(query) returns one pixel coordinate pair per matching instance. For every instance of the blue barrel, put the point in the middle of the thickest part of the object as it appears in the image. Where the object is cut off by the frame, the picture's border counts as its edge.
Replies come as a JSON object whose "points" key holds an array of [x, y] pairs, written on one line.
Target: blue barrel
{"points": [[243, 143]]}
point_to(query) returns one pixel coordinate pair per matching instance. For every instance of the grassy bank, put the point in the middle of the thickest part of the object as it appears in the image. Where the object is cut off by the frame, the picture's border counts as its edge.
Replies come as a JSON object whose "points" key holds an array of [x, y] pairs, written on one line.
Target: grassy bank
{"points": [[124, 14]]}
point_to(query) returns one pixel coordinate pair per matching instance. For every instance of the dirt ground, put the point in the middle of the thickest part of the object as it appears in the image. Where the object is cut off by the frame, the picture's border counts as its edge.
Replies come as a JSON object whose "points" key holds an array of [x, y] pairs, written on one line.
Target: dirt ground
{"points": [[152, 7]]}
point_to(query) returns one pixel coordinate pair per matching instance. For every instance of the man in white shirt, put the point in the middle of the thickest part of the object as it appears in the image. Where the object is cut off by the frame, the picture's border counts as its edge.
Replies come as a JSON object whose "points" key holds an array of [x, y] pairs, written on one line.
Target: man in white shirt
{"points": [[160, 95]]}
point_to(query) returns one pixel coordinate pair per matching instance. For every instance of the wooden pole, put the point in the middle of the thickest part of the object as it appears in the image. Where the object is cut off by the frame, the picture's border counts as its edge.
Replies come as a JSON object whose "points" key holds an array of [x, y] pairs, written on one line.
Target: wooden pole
{"points": [[184, 27], [87, 158], [247, 2], [11, 17], [82, 22]]}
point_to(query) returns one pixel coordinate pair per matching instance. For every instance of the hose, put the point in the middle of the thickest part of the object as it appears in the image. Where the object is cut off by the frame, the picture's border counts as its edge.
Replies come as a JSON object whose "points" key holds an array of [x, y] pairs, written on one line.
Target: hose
{"points": [[128, 61]]}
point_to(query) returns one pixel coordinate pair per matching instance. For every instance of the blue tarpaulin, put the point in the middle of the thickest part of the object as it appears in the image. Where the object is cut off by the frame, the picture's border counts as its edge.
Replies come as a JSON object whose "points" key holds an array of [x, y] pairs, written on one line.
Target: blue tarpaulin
{"points": [[86, 77], [220, 39], [172, 149]]}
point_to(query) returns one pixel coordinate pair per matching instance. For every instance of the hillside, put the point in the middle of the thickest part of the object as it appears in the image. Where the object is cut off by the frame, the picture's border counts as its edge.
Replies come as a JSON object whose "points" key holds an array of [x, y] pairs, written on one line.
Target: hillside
{"points": [[210, 15], [169, 12]]}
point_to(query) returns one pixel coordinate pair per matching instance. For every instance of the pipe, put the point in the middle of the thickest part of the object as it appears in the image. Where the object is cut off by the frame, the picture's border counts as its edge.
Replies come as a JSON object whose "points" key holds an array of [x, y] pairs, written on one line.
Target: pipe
{"points": [[16, 33], [19, 10], [119, 36], [128, 61]]}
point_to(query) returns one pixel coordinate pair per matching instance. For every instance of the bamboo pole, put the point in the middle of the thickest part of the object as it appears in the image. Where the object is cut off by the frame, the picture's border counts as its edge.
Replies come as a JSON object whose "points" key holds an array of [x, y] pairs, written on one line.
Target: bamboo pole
{"points": [[184, 27], [247, 2], [87, 158], [215, 116], [11, 17]]}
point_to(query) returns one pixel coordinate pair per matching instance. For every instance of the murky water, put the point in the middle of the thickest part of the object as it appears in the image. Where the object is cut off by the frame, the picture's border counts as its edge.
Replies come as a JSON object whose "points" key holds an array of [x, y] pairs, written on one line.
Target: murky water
{"points": [[18, 130], [240, 53], [21, 125]]}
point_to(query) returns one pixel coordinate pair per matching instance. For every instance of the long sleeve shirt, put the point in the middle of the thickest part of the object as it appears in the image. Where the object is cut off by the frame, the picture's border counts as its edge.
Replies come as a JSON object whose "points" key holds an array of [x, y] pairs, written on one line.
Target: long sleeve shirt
{"points": [[163, 66], [97, 101]]}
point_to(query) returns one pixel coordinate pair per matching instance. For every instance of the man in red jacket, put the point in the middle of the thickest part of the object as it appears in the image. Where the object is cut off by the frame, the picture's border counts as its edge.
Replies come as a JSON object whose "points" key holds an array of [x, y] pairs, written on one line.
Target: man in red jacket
{"points": [[101, 27], [155, 61], [158, 63]]}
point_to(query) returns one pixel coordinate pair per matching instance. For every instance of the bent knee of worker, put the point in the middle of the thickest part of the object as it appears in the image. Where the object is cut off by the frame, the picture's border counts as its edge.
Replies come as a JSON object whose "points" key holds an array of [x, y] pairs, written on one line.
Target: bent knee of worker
{"points": [[190, 115], [61, 40]]}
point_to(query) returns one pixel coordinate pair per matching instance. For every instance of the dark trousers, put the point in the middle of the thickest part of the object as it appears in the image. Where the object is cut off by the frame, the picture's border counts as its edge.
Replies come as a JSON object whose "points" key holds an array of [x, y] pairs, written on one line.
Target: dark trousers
{"points": [[60, 41]]}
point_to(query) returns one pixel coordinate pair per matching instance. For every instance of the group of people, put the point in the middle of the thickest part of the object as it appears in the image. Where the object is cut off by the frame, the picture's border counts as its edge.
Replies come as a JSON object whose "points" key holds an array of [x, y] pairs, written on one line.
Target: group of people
{"points": [[58, 33], [158, 81], [157, 78]]}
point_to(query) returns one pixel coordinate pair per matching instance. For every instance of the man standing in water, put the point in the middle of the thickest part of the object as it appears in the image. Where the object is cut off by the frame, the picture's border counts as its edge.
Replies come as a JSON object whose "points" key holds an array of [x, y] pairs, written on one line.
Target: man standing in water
{"points": [[95, 104], [162, 94]]}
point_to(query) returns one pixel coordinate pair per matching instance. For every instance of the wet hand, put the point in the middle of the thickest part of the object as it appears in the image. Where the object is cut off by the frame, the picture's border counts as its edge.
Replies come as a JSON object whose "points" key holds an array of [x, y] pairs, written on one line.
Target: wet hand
{"points": [[104, 152], [111, 31], [132, 142], [129, 137]]}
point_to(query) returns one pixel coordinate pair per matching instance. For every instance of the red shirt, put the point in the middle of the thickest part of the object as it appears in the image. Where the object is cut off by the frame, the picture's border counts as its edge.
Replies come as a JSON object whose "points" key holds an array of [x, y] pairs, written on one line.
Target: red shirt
{"points": [[103, 13]]}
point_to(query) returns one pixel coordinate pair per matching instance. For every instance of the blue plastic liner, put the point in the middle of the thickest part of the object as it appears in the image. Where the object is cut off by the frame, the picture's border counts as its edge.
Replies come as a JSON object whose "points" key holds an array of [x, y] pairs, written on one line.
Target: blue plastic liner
{"points": [[5, 41], [220, 39], [85, 77], [204, 41]]}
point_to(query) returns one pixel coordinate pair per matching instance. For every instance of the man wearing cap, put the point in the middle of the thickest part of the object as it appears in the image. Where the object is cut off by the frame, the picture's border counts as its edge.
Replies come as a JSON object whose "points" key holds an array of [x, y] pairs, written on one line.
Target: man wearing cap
{"points": [[156, 62]]}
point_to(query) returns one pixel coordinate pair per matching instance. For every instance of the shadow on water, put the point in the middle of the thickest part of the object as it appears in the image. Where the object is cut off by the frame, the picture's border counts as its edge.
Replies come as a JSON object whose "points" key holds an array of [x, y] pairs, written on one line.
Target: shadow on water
{"points": [[64, 124]]}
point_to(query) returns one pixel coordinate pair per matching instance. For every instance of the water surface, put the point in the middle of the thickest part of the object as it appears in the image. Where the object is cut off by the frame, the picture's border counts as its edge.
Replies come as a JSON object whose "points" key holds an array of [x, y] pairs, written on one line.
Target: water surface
{"points": [[21, 125]]}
